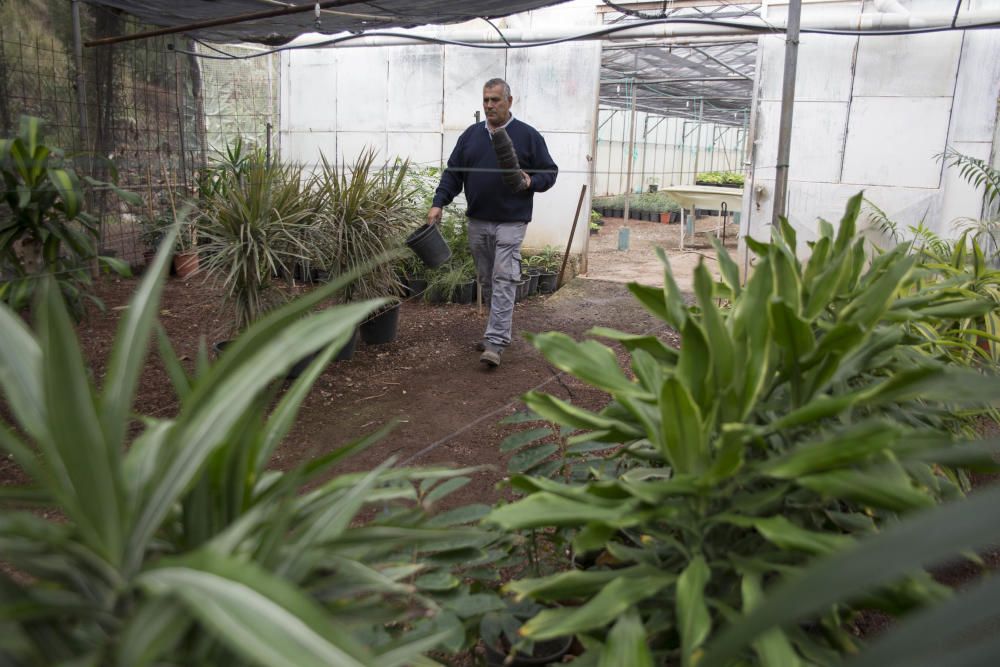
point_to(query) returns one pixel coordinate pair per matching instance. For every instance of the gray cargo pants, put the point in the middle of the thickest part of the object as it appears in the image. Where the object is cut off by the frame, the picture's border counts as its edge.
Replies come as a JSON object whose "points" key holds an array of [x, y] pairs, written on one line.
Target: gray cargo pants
{"points": [[496, 251]]}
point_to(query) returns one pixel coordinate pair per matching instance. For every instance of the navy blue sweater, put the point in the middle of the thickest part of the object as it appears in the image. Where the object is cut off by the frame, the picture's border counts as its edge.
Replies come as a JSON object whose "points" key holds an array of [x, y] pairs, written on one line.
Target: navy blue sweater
{"points": [[473, 166]]}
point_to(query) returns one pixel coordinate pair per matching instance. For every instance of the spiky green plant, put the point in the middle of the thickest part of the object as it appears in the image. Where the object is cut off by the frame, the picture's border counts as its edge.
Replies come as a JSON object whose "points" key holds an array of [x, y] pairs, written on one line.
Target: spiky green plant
{"points": [[257, 222], [364, 212]]}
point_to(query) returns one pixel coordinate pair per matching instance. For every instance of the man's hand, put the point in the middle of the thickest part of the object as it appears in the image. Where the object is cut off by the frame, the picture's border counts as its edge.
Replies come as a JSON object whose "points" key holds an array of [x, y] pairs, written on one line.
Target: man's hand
{"points": [[434, 215], [527, 180]]}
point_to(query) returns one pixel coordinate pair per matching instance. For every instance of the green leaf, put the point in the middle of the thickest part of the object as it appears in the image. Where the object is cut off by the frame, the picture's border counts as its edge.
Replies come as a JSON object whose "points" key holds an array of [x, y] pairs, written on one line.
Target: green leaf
{"points": [[727, 267], [255, 614], [868, 488], [692, 613], [605, 607], [696, 364], [517, 440], [437, 581], [791, 332], [573, 584], [547, 509], [786, 535], [89, 462], [527, 459], [773, 647], [683, 442], [66, 184], [589, 361], [860, 442], [118, 266], [633, 342], [932, 634], [715, 331], [922, 540], [20, 374], [442, 490], [129, 351], [561, 412], [626, 644], [151, 631]]}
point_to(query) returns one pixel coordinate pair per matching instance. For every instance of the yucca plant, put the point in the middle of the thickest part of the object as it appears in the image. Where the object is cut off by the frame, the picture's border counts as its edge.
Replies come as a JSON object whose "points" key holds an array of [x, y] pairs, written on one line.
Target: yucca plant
{"points": [[797, 415], [365, 212], [255, 223], [45, 229], [179, 546]]}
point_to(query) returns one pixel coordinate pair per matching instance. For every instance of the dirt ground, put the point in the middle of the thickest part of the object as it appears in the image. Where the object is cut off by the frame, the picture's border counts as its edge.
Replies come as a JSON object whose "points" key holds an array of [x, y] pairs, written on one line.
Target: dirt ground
{"points": [[639, 262]]}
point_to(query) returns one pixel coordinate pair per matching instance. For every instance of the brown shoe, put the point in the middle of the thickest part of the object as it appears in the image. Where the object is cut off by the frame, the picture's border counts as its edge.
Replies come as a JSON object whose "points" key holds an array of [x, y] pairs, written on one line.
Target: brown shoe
{"points": [[480, 346]]}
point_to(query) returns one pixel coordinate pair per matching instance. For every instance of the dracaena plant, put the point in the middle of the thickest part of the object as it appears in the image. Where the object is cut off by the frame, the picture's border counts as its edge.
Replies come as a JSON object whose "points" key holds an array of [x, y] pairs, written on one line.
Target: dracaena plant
{"points": [[44, 229], [255, 222], [364, 212], [179, 546], [797, 414]]}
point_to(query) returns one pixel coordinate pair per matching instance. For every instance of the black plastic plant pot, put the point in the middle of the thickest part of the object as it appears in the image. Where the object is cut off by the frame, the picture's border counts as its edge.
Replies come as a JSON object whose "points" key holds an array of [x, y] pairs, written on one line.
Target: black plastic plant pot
{"points": [[347, 352], [544, 653], [532, 283], [416, 286], [464, 293], [429, 245], [522, 290], [382, 327], [548, 282]]}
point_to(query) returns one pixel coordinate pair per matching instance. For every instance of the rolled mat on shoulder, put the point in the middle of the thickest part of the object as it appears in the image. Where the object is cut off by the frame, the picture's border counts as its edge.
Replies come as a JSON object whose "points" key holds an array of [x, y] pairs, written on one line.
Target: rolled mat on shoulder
{"points": [[507, 159]]}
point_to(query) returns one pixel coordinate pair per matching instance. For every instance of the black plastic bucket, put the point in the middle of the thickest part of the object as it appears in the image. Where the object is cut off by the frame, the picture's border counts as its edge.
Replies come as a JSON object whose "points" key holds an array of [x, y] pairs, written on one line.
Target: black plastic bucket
{"points": [[429, 245]]}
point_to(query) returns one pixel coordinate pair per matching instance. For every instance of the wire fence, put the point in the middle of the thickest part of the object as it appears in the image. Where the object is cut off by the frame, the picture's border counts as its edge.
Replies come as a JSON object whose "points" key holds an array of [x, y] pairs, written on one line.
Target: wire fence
{"points": [[140, 112]]}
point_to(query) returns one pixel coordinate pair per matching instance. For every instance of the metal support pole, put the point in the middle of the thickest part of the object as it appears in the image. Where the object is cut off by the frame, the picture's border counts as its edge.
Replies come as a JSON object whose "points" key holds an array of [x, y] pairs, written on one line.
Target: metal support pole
{"points": [[697, 141], [179, 96], [787, 105], [81, 84], [645, 131], [631, 149]]}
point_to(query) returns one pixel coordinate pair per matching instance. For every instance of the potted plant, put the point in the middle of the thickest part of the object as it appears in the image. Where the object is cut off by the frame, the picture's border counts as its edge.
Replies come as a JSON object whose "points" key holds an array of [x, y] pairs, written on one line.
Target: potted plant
{"points": [[454, 282], [505, 648], [254, 224], [365, 214], [44, 229], [548, 261], [721, 179]]}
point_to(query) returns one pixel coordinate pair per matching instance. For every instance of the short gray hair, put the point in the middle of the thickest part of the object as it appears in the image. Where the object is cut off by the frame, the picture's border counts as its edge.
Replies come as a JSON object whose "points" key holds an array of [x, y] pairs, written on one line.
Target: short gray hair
{"points": [[493, 83]]}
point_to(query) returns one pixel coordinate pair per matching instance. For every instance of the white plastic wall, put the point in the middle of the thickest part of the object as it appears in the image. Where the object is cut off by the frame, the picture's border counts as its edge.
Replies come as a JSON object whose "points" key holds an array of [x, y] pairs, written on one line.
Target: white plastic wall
{"points": [[414, 101], [873, 113]]}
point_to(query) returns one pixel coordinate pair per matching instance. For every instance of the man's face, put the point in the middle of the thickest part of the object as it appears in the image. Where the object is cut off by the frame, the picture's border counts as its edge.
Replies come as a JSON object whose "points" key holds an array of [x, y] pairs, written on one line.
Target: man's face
{"points": [[496, 105]]}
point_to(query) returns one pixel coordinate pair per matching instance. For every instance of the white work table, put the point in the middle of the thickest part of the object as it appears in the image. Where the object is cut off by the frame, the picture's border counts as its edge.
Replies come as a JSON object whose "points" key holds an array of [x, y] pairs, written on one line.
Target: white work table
{"points": [[711, 197]]}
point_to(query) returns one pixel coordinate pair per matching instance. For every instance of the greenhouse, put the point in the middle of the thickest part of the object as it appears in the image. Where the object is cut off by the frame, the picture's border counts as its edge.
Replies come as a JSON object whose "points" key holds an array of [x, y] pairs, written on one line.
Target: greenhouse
{"points": [[590, 332]]}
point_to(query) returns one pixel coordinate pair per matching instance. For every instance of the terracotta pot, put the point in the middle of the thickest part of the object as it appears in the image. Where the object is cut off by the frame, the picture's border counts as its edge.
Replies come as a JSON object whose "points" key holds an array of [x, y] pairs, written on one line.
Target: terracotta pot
{"points": [[186, 264]]}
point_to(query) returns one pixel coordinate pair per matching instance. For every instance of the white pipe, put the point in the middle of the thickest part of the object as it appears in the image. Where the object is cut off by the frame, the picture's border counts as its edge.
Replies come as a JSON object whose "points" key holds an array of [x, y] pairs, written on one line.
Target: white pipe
{"points": [[818, 19]]}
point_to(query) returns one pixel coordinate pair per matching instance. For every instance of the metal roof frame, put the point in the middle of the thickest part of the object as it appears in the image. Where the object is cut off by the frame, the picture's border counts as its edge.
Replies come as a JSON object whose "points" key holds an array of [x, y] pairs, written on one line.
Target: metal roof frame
{"points": [[705, 78]]}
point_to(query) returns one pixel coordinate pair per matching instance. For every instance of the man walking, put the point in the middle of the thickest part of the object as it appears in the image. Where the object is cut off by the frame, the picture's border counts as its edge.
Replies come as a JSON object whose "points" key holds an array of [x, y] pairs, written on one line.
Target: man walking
{"points": [[497, 214]]}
